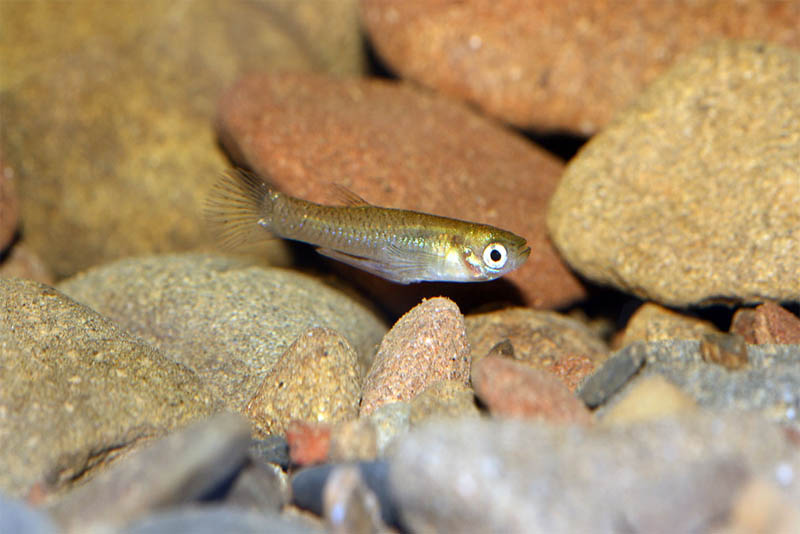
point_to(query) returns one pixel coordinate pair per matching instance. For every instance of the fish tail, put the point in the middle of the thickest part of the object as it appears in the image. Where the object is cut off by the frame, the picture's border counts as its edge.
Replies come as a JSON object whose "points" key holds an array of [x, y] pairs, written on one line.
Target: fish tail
{"points": [[239, 208]]}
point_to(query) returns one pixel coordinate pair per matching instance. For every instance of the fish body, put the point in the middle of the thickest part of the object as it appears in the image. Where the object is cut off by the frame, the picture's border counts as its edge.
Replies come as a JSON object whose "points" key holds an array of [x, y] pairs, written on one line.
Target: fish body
{"points": [[403, 246]]}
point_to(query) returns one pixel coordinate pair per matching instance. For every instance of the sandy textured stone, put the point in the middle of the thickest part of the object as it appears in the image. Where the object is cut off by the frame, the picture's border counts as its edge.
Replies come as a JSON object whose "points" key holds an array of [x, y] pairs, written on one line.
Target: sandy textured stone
{"points": [[543, 340], [316, 380], [650, 398], [76, 390], [108, 111], [558, 65], [664, 476], [426, 345], [444, 399], [652, 322], [398, 146], [224, 318], [767, 323], [9, 204], [691, 195], [512, 389]]}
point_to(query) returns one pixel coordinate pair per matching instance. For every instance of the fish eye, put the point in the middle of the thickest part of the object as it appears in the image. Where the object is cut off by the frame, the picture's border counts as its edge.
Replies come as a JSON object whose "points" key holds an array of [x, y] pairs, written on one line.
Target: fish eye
{"points": [[495, 256]]}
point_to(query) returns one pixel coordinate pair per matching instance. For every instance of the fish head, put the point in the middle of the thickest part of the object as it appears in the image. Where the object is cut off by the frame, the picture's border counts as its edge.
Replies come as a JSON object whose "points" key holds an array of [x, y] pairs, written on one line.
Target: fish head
{"points": [[489, 253]]}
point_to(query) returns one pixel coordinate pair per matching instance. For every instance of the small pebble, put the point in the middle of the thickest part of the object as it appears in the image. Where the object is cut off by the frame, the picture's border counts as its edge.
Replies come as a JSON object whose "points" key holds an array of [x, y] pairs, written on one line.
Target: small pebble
{"points": [[727, 350], [614, 373], [427, 344], [309, 443]]}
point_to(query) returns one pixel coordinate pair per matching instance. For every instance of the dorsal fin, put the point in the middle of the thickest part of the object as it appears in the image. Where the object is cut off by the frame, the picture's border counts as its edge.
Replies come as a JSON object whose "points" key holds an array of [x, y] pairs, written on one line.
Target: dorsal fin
{"points": [[347, 197]]}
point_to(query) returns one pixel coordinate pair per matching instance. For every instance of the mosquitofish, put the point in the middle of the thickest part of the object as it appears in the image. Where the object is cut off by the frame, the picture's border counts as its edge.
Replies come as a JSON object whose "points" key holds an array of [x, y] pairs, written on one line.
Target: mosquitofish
{"points": [[399, 245]]}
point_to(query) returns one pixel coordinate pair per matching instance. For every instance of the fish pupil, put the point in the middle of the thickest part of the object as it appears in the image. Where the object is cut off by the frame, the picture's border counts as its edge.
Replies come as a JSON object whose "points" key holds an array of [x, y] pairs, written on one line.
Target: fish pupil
{"points": [[495, 255]]}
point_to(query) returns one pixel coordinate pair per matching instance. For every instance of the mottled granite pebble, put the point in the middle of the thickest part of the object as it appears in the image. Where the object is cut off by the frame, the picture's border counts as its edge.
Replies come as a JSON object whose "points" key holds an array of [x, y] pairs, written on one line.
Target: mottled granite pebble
{"points": [[663, 476], [553, 65], [316, 379], [652, 322], [690, 196], [512, 389], [226, 319], [179, 468], [541, 339], [76, 390], [426, 345], [443, 399], [767, 323], [402, 147]]}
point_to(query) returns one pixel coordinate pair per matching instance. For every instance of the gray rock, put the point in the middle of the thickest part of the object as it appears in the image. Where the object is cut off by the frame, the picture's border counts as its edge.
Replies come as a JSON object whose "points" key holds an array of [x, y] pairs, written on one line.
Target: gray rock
{"points": [[770, 383], [18, 517], [691, 194], [612, 375], [272, 449], [260, 487], [350, 507], [218, 520], [179, 468], [227, 321], [390, 421], [76, 390], [112, 107], [670, 475]]}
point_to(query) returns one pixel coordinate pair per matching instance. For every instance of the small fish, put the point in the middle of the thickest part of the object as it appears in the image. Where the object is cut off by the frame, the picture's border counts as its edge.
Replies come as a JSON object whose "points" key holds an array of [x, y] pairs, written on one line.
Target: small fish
{"points": [[399, 245]]}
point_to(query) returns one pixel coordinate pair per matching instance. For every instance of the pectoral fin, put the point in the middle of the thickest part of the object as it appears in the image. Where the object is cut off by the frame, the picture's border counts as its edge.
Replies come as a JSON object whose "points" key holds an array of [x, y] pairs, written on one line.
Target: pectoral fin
{"points": [[397, 265]]}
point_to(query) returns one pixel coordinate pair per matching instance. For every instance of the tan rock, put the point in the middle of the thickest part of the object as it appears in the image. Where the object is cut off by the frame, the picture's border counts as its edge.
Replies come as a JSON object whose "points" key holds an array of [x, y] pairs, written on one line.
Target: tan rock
{"points": [[443, 399], [316, 380], [22, 262], [652, 322], [540, 339], [558, 65], [111, 108], [652, 397], [398, 146], [691, 195], [512, 389], [427, 345]]}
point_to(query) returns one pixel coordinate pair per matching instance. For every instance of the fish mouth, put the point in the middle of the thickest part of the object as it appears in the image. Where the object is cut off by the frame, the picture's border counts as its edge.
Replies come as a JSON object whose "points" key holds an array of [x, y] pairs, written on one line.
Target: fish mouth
{"points": [[524, 254]]}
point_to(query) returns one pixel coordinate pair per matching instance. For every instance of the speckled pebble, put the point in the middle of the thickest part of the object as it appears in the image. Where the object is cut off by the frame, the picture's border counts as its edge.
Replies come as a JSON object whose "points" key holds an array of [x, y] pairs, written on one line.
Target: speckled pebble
{"points": [[767, 323], [690, 196], [512, 389], [426, 345], [444, 399], [541, 339], [315, 380], [223, 317], [652, 322], [76, 390]]}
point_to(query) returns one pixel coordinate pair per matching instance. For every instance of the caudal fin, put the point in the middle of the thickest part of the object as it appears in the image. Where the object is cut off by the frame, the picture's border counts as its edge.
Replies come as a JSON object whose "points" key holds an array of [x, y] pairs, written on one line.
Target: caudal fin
{"points": [[239, 208]]}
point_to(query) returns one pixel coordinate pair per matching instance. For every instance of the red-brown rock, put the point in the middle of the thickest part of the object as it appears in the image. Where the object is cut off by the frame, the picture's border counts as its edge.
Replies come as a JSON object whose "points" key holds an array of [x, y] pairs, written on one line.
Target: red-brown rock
{"points": [[427, 345], [399, 146], [549, 64], [309, 443], [768, 323], [512, 389]]}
